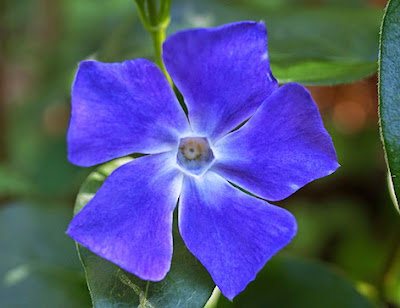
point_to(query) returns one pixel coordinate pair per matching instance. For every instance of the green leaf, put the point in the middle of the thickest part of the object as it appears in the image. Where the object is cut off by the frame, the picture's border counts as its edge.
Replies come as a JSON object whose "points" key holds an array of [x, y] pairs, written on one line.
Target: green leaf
{"points": [[288, 281], [324, 46], [321, 46], [188, 284], [38, 263], [389, 93]]}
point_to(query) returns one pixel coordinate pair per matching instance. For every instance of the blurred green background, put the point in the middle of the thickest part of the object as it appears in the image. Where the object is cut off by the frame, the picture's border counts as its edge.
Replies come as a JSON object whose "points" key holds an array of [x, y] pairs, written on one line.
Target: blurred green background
{"points": [[347, 225]]}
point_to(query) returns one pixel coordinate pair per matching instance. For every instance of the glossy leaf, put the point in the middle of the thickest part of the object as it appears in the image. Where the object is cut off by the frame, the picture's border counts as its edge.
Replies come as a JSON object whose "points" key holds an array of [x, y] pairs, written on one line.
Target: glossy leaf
{"points": [[187, 284], [39, 266], [288, 281], [389, 94]]}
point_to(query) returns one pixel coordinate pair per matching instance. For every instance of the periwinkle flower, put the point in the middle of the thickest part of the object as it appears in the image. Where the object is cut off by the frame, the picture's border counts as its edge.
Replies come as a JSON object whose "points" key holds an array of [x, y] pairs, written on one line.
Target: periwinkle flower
{"points": [[224, 75]]}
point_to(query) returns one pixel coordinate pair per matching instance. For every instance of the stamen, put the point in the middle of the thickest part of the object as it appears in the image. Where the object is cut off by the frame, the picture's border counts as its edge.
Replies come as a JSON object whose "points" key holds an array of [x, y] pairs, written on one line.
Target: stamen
{"points": [[194, 154]]}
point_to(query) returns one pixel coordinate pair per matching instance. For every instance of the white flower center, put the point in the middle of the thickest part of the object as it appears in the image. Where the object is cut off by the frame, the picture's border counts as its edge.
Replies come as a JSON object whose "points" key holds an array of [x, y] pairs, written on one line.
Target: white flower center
{"points": [[194, 155]]}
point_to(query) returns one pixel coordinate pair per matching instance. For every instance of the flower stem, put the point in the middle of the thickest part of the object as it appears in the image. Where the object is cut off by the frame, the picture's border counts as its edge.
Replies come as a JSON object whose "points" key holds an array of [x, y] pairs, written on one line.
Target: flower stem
{"points": [[143, 304], [156, 24], [158, 38]]}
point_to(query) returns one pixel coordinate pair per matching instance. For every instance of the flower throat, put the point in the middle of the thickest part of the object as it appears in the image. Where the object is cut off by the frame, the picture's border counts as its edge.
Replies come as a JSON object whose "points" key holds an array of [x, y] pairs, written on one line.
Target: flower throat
{"points": [[194, 155]]}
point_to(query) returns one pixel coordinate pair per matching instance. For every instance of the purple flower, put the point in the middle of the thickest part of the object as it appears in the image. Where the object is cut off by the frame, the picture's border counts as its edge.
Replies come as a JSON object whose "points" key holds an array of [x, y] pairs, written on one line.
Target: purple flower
{"points": [[224, 75]]}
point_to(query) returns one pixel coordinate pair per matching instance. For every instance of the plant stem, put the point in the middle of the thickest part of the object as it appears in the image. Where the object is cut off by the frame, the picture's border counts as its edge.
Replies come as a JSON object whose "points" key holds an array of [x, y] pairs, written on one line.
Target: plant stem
{"points": [[143, 304], [158, 37], [155, 23]]}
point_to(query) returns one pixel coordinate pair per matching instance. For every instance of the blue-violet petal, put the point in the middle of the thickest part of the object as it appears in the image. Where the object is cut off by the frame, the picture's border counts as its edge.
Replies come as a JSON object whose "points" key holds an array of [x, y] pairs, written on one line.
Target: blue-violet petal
{"points": [[223, 73], [129, 220], [232, 234], [281, 148], [122, 108]]}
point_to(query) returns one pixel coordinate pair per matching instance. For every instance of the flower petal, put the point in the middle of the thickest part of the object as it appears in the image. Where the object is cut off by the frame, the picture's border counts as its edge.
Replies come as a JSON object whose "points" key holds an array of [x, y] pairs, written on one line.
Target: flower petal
{"points": [[129, 220], [223, 73], [231, 233], [281, 148], [122, 108]]}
